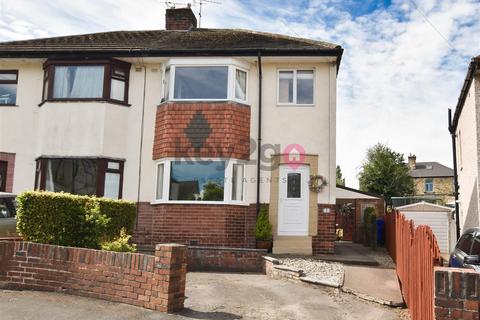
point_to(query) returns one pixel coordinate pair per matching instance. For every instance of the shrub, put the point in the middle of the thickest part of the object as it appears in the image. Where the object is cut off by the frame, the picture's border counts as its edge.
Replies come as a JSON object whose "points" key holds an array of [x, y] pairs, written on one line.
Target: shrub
{"points": [[72, 220], [120, 244], [370, 226], [263, 228]]}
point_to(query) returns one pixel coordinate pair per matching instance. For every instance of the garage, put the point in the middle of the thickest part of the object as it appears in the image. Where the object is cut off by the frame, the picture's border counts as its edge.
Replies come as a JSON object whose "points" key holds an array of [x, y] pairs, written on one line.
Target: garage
{"points": [[438, 218]]}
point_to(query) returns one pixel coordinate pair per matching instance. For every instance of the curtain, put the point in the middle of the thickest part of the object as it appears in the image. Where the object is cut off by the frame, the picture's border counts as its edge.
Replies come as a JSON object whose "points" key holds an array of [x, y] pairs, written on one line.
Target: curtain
{"points": [[49, 182], [78, 82], [60, 89], [88, 82], [112, 185]]}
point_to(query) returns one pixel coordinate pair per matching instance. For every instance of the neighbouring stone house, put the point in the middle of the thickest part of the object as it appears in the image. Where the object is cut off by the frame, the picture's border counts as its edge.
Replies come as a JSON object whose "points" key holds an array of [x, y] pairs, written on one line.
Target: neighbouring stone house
{"points": [[197, 126], [433, 181], [465, 128]]}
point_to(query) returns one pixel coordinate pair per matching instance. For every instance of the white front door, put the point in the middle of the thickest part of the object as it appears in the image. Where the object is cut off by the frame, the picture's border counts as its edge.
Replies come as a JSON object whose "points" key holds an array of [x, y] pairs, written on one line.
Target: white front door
{"points": [[293, 200]]}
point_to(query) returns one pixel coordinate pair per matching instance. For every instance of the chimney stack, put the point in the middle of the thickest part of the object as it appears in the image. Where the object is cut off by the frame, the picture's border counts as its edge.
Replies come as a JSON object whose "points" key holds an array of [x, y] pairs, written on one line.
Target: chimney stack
{"points": [[412, 161], [180, 19]]}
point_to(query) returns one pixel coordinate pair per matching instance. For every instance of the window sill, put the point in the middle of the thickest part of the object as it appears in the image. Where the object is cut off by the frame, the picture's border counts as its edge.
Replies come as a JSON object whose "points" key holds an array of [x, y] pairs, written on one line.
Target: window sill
{"points": [[8, 105], [187, 202], [294, 105], [85, 100]]}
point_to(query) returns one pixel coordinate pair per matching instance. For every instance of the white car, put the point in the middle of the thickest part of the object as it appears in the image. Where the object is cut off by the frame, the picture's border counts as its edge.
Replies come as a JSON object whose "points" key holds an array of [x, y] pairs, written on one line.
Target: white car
{"points": [[8, 222]]}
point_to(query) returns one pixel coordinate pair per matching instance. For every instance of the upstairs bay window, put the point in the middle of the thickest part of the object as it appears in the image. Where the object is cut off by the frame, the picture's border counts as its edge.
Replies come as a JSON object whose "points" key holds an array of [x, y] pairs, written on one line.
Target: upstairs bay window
{"points": [[205, 83], [87, 80], [213, 181], [295, 87]]}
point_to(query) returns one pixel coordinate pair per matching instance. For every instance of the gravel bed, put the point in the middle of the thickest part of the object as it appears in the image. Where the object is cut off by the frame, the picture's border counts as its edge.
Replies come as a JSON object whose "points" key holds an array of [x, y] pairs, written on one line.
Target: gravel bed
{"points": [[317, 269]]}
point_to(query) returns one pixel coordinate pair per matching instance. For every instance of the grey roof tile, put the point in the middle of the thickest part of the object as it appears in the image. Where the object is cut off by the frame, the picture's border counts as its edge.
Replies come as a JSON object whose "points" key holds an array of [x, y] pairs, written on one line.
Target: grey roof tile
{"points": [[431, 169]]}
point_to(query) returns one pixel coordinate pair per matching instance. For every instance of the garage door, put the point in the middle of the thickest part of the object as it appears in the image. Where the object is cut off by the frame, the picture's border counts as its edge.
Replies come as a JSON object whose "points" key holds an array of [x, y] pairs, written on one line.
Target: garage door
{"points": [[438, 222]]}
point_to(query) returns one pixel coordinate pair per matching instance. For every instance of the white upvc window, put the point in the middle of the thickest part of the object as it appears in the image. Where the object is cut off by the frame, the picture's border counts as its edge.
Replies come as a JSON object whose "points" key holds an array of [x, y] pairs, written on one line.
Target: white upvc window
{"points": [[205, 82], [296, 87], [215, 181]]}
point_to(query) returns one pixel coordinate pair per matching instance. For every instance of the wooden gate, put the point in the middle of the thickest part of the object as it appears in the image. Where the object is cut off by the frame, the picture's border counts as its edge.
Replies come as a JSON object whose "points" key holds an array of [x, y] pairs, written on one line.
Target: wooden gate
{"points": [[415, 253]]}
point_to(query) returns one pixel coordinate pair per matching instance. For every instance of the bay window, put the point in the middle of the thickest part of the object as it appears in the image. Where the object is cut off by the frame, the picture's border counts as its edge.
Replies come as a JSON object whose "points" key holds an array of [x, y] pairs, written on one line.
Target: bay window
{"points": [[295, 87], [205, 83], [83, 176], [201, 83], [102, 80], [213, 181]]}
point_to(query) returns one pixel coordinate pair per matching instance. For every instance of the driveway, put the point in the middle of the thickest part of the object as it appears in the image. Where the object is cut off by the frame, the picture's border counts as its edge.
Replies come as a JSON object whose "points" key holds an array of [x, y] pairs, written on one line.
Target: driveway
{"points": [[210, 296]]}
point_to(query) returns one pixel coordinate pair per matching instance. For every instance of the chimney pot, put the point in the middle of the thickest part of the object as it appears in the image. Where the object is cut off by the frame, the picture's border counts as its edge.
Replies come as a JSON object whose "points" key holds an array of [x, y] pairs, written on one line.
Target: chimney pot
{"points": [[180, 19]]}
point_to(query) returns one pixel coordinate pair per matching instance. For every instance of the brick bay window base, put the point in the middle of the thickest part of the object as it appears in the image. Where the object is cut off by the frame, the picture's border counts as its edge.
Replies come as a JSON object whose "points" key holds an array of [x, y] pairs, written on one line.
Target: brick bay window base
{"points": [[324, 241], [196, 224]]}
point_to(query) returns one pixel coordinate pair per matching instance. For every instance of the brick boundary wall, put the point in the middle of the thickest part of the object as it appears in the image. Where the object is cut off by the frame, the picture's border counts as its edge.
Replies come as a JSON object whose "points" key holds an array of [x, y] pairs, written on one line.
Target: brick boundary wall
{"points": [[225, 259], [10, 159], [324, 241], [152, 282], [214, 225], [457, 294]]}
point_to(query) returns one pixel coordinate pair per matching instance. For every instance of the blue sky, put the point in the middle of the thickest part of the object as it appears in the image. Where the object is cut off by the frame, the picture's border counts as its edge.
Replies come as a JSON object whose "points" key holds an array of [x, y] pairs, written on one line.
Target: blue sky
{"points": [[403, 66]]}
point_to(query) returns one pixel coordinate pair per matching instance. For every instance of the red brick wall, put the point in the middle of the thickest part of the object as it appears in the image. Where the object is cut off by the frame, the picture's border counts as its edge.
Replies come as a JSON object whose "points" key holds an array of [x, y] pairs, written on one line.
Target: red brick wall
{"points": [[196, 224], [180, 19], [228, 130], [153, 282], [225, 259], [10, 159], [324, 241], [457, 294]]}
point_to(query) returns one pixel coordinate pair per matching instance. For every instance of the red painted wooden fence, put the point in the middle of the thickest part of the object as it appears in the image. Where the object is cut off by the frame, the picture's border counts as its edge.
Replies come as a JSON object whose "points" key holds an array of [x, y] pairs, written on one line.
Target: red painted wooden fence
{"points": [[415, 253]]}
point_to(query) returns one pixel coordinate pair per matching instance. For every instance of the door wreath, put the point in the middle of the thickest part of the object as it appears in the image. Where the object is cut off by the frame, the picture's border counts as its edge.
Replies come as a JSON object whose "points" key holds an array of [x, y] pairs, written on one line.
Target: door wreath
{"points": [[316, 183]]}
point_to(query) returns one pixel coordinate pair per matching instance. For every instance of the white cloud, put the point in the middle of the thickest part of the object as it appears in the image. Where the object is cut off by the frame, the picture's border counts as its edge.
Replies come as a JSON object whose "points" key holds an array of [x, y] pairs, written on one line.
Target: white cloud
{"points": [[398, 74]]}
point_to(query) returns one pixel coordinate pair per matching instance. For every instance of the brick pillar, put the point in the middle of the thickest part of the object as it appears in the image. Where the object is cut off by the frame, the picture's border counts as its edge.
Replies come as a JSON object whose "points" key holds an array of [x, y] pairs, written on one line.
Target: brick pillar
{"points": [[171, 264], [457, 293], [324, 241]]}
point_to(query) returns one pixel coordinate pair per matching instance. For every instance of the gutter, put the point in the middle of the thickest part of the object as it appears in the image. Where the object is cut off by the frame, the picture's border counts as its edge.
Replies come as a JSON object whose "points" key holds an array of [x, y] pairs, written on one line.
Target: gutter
{"points": [[452, 130], [259, 138], [102, 53], [472, 69]]}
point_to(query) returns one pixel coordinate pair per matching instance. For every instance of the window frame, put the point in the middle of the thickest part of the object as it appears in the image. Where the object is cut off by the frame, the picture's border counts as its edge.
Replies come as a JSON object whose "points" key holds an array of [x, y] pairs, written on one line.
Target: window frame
{"points": [[294, 103], [428, 183], [231, 71], [109, 66], [102, 169], [15, 72], [228, 186]]}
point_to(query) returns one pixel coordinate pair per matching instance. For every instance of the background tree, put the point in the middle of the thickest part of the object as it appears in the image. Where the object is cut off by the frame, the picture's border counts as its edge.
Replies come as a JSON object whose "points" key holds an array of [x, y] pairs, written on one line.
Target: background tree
{"points": [[385, 173], [340, 178]]}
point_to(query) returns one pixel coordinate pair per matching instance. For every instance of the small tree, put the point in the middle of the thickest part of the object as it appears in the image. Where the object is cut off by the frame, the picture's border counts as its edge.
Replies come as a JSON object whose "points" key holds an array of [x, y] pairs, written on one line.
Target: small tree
{"points": [[263, 228], [384, 172], [212, 192], [340, 178]]}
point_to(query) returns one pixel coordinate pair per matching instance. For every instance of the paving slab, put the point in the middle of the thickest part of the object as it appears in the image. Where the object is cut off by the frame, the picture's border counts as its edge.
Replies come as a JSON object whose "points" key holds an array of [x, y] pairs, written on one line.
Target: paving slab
{"points": [[375, 284], [350, 253]]}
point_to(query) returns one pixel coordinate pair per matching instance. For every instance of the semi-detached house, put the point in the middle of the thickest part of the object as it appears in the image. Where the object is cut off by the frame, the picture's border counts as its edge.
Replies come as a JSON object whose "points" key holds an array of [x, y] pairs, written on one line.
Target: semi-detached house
{"points": [[173, 120]]}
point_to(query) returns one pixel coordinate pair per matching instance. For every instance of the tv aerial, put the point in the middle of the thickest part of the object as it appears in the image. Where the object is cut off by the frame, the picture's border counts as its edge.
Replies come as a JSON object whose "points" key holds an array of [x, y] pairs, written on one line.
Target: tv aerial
{"points": [[201, 3]]}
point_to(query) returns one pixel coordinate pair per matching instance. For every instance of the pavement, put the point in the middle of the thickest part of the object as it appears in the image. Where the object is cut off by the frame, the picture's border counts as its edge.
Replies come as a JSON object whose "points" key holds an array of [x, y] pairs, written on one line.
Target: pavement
{"points": [[350, 253], [209, 296], [375, 284]]}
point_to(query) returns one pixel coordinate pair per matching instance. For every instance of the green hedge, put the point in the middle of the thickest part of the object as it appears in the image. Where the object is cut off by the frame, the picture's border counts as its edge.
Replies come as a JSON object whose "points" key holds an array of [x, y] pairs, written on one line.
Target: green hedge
{"points": [[72, 220]]}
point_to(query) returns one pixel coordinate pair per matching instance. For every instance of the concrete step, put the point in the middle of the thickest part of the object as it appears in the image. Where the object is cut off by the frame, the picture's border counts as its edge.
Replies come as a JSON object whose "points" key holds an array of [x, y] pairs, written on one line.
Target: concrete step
{"points": [[292, 245]]}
